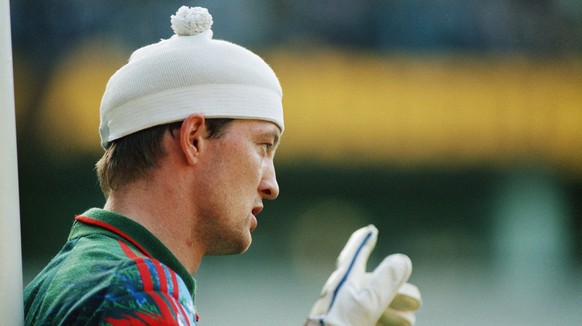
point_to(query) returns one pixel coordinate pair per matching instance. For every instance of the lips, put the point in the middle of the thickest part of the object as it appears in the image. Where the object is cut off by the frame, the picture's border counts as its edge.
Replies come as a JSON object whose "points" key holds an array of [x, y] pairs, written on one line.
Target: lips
{"points": [[257, 210]]}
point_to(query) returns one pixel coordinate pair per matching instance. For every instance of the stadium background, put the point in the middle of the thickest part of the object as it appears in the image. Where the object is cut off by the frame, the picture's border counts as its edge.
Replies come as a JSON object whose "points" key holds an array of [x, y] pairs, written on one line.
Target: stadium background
{"points": [[454, 126]]}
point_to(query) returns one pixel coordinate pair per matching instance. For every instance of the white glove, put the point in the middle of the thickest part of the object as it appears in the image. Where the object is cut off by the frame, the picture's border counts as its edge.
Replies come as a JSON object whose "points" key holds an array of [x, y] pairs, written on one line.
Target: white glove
{"points": [[353, 297]]}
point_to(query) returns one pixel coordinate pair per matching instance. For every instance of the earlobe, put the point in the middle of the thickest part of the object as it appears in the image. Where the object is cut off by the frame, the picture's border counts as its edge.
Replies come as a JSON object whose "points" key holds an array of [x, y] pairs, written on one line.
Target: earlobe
{"points": [[191, 136]]}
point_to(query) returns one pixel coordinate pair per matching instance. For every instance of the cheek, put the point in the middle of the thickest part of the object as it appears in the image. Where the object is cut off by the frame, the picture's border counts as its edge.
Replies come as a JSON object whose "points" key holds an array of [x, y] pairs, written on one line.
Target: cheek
{"points": [[238, 172], [247, 168], [245, 178]]}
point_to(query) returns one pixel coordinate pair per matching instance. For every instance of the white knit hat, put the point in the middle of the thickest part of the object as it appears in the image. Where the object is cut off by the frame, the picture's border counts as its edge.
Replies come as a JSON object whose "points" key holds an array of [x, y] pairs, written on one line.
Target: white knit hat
{"points": [[185, 74]]}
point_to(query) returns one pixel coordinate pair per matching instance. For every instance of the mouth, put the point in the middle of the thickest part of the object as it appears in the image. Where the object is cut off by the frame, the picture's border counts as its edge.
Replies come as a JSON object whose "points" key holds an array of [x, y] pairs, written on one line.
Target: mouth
{"points": [[257, 210]]}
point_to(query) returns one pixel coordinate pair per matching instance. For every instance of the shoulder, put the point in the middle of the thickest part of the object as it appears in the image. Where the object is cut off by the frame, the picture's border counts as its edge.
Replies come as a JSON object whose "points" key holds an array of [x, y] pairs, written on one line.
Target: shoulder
{"points": [[104, 280], [144, 290]]}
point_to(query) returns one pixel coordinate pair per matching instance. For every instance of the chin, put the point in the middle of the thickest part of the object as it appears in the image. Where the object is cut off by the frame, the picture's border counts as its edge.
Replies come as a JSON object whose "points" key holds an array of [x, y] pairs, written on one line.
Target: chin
{"points": [[245, 246], [232, 247]]}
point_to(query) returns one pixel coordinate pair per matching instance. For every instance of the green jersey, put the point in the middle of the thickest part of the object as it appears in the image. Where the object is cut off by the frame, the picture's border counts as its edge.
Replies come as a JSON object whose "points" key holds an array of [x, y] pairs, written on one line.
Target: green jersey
{"points": [[111, 271]]}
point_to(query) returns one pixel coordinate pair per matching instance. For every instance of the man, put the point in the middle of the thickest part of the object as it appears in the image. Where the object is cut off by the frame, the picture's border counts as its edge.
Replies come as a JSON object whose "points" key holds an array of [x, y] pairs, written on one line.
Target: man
{"points": [[190, 127]]}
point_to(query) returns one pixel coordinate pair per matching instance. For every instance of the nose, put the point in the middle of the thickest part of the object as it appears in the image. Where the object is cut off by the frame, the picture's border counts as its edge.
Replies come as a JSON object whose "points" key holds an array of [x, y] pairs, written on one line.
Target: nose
{"points": [[269, 188]]}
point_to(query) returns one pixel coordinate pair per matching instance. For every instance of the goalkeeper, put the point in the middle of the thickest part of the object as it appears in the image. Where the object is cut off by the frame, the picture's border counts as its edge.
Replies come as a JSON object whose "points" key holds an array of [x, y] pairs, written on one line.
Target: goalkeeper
{"points": [[190, 127]]}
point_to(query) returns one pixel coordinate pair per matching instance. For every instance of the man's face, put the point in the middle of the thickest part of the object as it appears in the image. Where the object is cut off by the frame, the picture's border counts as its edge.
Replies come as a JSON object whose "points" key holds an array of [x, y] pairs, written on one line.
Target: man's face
{"points": [[237, 174]]}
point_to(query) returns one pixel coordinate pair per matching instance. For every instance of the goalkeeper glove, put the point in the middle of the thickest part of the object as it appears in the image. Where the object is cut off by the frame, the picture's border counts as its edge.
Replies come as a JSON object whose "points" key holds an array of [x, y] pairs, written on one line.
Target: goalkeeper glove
{"points": [[353, 297]]}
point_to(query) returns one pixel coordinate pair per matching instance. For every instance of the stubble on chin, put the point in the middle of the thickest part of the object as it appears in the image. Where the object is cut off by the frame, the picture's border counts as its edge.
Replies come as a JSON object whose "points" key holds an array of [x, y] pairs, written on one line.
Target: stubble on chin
{"points": [[222, 243]]}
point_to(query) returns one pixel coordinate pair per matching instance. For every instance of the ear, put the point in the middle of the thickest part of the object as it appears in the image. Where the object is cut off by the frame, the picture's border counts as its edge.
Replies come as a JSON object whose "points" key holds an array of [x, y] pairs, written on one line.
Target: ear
{"points": [[191, 136]]}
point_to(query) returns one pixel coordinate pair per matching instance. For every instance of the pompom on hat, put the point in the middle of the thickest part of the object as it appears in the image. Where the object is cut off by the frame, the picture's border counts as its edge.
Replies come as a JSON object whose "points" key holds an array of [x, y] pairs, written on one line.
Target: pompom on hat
{"points": [[189, 73]]}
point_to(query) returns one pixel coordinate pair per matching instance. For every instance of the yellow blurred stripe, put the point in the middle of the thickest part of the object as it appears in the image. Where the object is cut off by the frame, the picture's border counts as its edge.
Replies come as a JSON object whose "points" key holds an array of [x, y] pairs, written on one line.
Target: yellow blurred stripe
{"points": [[354, 107]]}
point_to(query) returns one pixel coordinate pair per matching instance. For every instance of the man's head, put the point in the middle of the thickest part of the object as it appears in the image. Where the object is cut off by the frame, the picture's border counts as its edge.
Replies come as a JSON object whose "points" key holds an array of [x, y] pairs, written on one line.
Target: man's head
{"points": [[193, 123]]}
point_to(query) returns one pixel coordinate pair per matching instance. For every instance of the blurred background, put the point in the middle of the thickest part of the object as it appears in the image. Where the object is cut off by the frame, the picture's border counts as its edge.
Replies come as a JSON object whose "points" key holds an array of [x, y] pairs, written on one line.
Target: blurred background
{"points": [[453, 126]]}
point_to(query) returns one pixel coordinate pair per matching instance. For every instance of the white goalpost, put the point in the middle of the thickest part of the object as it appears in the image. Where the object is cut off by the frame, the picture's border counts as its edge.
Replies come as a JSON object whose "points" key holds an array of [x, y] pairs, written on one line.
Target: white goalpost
{"points": [[11, 304]]}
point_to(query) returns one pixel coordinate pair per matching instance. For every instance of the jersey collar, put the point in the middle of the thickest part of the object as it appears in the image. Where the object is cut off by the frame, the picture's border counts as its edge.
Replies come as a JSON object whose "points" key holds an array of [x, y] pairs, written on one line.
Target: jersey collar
{"points": [[100, 221]]}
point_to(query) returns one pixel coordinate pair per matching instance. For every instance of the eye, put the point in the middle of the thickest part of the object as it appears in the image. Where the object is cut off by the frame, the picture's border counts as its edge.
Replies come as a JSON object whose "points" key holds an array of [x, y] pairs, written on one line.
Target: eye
{"points": [[267, 147]]}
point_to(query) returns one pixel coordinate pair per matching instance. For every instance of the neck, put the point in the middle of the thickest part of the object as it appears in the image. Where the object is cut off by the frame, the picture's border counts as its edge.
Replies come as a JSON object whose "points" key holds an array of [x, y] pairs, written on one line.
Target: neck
{"points": [[158, 210]]}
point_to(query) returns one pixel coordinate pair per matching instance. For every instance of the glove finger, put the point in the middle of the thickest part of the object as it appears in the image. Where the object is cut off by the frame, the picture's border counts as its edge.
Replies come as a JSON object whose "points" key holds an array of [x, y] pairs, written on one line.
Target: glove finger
{"points": [[354, 255], [351, 262], [382, 285], [408, 298], [392, 317], [355, 252]]}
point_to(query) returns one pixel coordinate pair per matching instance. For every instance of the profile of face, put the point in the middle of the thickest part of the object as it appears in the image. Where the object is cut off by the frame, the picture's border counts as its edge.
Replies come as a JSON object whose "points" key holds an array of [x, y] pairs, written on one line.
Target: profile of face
{"points": [[237, 174]]}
